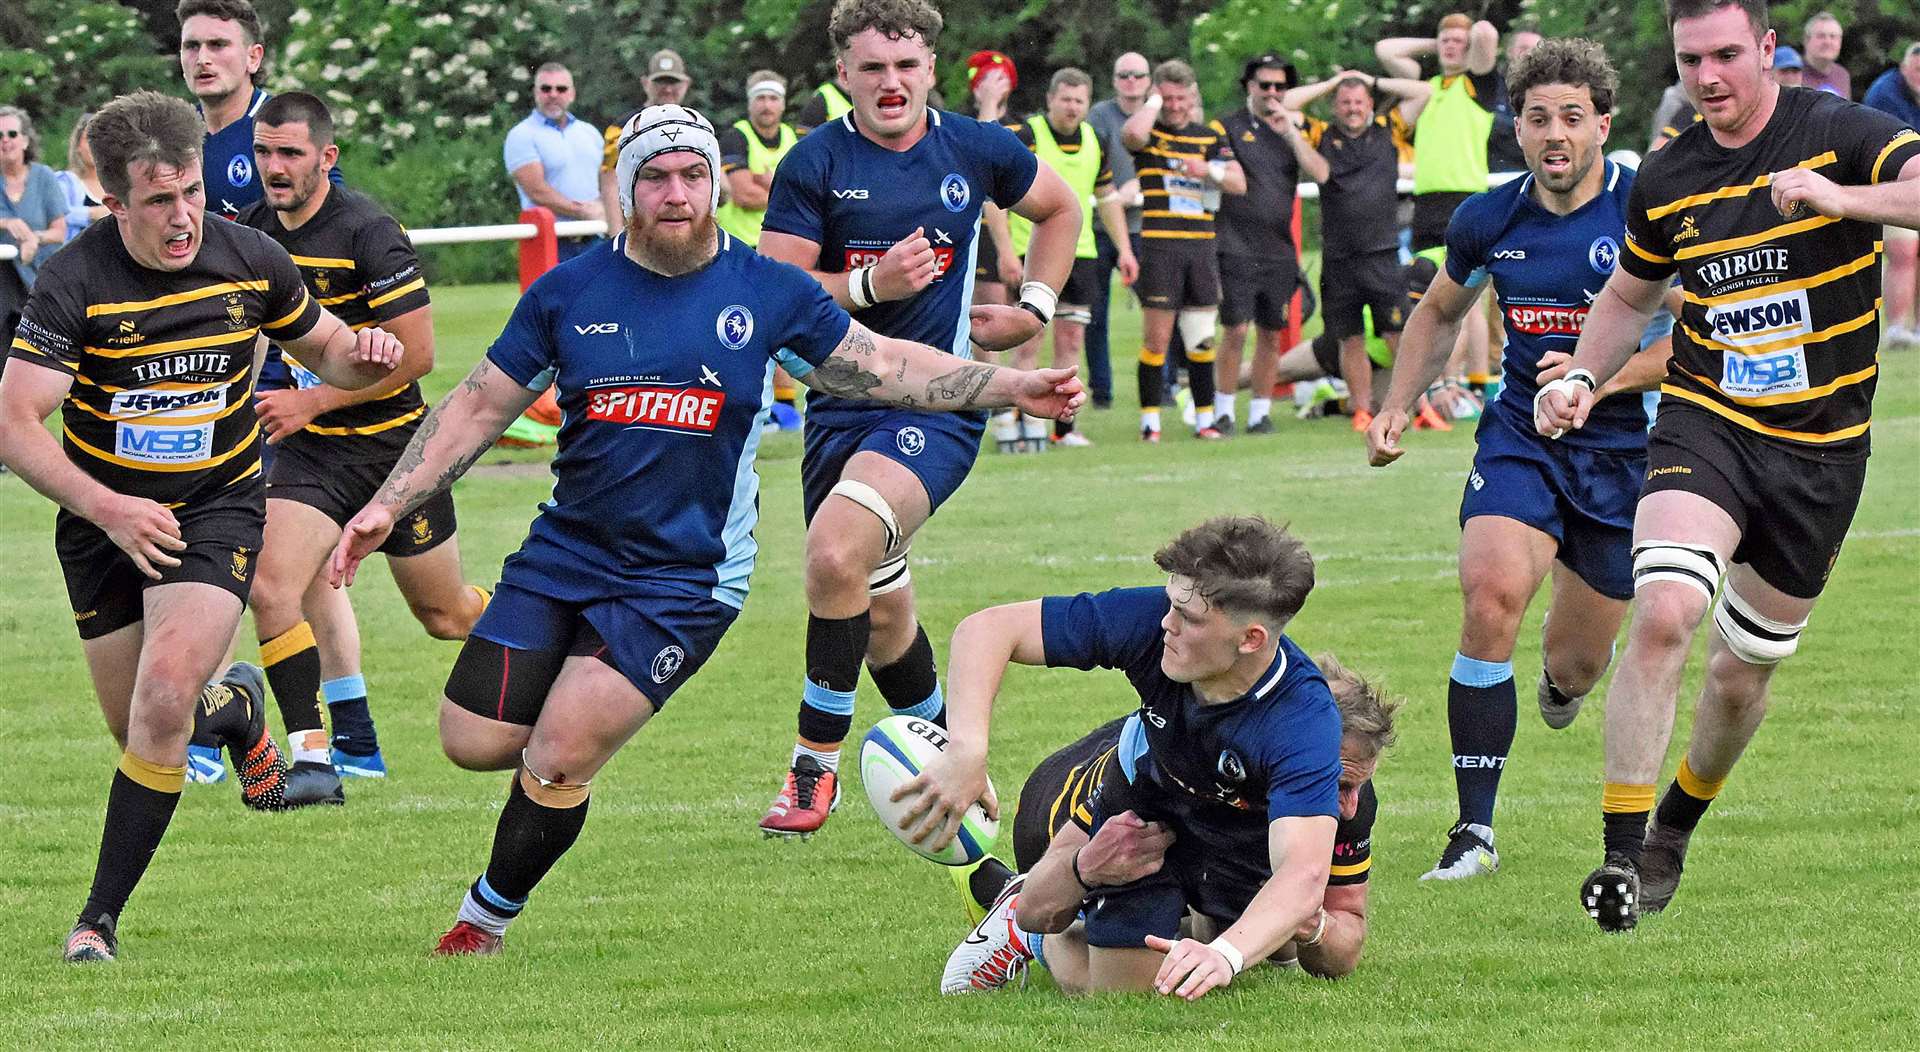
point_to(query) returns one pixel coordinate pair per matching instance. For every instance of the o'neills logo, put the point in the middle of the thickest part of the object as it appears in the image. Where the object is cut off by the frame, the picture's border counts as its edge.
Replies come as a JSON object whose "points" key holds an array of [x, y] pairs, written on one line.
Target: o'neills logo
{"points": [[1547, 321], [671, 408]]}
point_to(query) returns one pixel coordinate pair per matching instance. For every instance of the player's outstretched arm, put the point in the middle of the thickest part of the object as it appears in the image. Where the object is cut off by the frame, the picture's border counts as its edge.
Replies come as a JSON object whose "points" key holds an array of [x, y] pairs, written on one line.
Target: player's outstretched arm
{"points": [[1424, 347], [142, 528], [870, 366], [344, 358], [1299, 849], [983, 645], [286, 411], [462, 427]]}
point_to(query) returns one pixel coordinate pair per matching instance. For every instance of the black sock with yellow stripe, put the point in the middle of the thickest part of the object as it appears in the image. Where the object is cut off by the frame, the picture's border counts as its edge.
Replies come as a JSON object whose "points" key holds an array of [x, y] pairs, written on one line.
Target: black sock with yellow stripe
{"points": [[1624, 808], [292, 661], [1686, 799], [140, 805]]}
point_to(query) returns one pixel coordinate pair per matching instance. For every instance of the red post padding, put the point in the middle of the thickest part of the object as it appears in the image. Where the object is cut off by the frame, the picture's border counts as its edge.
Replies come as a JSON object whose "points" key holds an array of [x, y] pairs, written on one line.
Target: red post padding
{"points": [[541, 252]]}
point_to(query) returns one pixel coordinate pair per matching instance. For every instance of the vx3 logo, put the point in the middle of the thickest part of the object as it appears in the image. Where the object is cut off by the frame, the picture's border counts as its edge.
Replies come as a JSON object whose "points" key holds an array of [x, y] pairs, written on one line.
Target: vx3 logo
{"points": [[605, 328]]}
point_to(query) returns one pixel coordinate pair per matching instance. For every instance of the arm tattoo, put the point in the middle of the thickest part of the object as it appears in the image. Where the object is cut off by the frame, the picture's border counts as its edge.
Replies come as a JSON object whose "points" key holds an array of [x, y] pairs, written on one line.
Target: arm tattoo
{"points": [[843, 378], [961, 388], [401, 492]]}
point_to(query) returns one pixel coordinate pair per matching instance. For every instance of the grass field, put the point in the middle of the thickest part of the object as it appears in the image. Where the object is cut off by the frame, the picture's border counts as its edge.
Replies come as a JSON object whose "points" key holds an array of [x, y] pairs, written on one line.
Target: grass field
{"points": [[672, 924]]}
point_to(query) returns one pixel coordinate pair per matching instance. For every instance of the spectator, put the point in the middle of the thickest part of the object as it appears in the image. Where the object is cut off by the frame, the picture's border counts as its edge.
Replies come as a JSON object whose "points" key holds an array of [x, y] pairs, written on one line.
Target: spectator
{"points": [[1130, 84], [86, 198], [991, 78], [1259, 263], [1821, 42], [1787, 67], [1897, 91], [554, 157], [667, 84], [1671, 116], [750, 151], [1503, 148], [1360, 272], [33, 214], [1068, 143], [1450, 130]]}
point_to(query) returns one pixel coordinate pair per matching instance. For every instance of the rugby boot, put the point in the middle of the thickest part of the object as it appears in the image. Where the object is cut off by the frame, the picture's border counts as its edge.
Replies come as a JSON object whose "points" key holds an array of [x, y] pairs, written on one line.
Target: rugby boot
{"points": [[1224, 425], [1362, 420], [804, 802], [468, 940], [1208, 434], [204, 764], [220, 715], [1661, 861], [310, 782], [1611, 894], [354, 765], [1469, 854], [1556, 707], [91, 941], [256, 757], [993, 954], [1262, 426], [1149, 434]]}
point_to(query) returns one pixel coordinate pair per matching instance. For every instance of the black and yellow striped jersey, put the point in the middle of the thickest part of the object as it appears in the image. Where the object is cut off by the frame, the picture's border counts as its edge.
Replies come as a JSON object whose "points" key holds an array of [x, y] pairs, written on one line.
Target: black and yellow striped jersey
{"points": [[358, 263], [1780, 327], [162, 362], [1173, 181]]}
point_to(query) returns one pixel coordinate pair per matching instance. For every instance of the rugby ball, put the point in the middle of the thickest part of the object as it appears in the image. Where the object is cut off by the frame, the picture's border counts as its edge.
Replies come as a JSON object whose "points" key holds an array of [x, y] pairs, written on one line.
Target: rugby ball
{"points": [[894, 753]]}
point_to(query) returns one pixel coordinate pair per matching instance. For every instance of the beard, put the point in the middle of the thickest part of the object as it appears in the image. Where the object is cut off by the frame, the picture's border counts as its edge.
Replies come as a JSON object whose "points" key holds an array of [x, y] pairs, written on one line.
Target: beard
{"points": [[674, 250]]}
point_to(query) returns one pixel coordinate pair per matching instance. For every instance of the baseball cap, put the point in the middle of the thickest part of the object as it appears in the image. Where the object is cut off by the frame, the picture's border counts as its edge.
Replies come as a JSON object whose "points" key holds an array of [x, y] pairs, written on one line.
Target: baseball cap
{"points": [[1785, 57], [981, 61], [667, 64]]}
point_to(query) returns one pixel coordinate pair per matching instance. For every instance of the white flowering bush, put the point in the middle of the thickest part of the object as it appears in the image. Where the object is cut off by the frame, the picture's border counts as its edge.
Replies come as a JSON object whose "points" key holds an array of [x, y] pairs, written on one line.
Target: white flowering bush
{"points": [[397, 71], [85, 55]]}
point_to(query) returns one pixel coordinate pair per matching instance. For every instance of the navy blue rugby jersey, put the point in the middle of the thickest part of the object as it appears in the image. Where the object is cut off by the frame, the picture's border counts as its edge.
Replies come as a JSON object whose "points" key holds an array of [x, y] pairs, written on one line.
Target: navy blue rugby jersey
{"points": [[663, 385], [856, 199], [1546, 271], [1271, 753]]}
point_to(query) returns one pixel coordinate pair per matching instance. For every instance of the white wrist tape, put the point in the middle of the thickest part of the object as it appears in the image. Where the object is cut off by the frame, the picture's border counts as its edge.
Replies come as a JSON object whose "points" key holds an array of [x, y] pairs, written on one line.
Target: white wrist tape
{"points": [[1041, 297], [860, 287], [1319, 932], [1564, 386], [1235, 959]]}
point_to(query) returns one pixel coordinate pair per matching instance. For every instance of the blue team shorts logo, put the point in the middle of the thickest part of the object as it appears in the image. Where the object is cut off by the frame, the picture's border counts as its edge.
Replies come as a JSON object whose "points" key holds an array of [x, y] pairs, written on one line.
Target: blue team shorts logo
{"points": [[911, 441], [954, 192], [734, 326], [240, 170], [667, 663], [1603, 254]]}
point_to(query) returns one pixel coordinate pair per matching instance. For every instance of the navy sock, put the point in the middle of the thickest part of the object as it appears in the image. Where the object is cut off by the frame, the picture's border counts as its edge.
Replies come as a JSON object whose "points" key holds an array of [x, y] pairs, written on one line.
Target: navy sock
{"points": [[1482, 714], [346, 699], [911, 685], [835, 649]]}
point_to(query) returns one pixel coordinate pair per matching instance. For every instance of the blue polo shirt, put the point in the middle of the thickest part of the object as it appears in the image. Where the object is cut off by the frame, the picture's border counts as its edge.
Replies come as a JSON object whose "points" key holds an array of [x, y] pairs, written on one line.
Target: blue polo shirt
{"points": [[569, 155]]}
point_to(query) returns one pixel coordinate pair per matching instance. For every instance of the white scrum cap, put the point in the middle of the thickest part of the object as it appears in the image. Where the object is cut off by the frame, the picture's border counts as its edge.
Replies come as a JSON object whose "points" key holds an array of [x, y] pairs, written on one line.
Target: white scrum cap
{"points": [[664, 129]]}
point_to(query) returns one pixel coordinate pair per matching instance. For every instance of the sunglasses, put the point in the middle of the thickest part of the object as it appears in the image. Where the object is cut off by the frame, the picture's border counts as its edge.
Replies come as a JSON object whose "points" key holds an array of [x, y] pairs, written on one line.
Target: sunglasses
{"points": [[1270, 85], [1130, 75], [553, 89]]}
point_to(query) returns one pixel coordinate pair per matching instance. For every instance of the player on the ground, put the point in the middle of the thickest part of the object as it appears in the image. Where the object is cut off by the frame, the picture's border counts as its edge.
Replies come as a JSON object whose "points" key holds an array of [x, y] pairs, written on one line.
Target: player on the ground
{"points": [[1532, 506], [222, 56], [337, 445], [883, 206], [1769, 211], [662, 350], [1056, 804], [1179, 161], [1234, 754], [142, 332]]}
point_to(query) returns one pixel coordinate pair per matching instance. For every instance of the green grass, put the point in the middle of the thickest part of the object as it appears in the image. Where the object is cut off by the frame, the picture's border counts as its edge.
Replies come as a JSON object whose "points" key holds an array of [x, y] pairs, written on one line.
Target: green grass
{"points": [[672, 924]]}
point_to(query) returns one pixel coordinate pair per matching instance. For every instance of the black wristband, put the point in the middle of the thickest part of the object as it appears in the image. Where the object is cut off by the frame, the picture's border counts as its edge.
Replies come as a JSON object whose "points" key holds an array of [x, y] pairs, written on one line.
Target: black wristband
{"points": [[1033, 310], [1076, 870], [866, 284]]}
